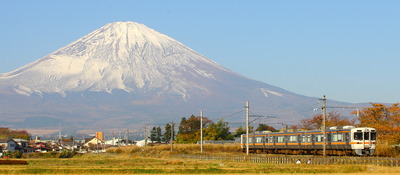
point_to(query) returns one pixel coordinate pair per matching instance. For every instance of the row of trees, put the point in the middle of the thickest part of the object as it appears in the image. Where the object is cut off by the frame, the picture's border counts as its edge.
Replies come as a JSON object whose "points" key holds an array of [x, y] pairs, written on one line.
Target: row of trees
{"points": [[157, 136], [189, 130], [7, 133]]}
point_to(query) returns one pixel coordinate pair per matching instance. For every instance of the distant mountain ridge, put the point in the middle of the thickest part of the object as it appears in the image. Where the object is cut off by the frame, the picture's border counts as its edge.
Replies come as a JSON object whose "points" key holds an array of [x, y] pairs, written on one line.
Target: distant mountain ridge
{"points": [[125, 74]]}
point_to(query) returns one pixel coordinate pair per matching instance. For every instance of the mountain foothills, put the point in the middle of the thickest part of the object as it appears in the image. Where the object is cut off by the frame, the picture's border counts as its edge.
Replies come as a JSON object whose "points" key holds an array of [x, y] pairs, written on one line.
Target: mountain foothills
{"points": [[125, 74]]}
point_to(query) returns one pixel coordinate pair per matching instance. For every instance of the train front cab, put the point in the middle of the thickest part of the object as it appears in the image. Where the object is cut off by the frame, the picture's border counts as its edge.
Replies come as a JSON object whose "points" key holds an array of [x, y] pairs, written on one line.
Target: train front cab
{"points": [[363, 141]]}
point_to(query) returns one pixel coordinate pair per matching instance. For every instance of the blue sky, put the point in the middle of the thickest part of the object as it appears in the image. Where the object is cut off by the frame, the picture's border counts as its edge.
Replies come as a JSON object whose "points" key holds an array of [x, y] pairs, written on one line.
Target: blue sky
{"points": [[346, 50]]}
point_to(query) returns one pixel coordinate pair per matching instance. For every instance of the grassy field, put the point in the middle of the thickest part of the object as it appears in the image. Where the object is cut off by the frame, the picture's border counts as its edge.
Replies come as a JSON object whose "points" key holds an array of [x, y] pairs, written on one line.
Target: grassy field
{"points": [[160, 160]]}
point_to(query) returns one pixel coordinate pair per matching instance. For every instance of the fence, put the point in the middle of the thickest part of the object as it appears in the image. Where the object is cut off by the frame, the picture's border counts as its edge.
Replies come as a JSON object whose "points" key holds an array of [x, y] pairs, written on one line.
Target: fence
{"points": [[381, 161]]}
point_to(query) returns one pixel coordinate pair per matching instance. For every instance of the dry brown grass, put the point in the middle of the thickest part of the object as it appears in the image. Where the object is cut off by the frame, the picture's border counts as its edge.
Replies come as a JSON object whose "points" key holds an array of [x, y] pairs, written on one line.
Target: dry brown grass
{"points": [[386, 150], [161, 150]]}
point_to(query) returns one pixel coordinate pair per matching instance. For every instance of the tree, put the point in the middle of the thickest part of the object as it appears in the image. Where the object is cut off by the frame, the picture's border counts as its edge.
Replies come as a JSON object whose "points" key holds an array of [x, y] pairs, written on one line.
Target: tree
{"points": [[332, 119], [239, 131], [158, 134], [386, 121], [6, 133], [218, 131], [189, 129], [167, 133], [153, 134], [265, 127]]}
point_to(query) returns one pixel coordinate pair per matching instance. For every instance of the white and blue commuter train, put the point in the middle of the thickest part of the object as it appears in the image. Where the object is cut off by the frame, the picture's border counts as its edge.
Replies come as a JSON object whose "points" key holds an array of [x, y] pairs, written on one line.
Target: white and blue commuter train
{"points": [[346, 140]]}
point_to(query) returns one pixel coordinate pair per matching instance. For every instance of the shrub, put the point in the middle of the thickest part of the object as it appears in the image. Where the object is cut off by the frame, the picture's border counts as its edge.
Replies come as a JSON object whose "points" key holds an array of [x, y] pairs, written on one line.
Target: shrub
{"points": [[13, 154], [67, 154]]}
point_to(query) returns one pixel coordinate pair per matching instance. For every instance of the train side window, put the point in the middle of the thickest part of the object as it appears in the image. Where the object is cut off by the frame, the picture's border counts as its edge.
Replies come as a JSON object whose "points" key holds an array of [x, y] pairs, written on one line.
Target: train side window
{"points": [[318, 138], [292, 138], [358, 135], [337, 137], [280, 139], [340, 137], [334, 138], [303, 139], [258, 139], [309, 138], [373, 135]]}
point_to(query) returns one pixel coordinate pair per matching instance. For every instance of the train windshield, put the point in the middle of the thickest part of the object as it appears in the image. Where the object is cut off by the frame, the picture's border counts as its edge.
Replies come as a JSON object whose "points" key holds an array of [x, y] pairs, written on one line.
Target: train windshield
{"points": [[366, 135], [358, 135], [373, 135]]}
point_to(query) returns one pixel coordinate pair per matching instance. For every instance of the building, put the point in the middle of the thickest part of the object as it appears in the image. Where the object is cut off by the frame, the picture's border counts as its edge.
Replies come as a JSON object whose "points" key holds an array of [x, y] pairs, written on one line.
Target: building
{"points": [[8, 145]]}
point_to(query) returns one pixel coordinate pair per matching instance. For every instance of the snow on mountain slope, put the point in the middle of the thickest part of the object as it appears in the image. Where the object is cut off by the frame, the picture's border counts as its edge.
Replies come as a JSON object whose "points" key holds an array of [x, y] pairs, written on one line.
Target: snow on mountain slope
{"points": [[122, 55]]}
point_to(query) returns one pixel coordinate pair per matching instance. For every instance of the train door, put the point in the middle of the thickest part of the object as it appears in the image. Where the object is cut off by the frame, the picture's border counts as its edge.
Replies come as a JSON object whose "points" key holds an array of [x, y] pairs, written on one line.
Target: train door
{"points": [[312, 141], [347, 140]]}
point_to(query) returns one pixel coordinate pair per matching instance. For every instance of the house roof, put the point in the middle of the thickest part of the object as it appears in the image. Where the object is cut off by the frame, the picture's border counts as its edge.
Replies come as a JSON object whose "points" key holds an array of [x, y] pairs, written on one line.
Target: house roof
{"points": [[20, 140], [6, 140]]}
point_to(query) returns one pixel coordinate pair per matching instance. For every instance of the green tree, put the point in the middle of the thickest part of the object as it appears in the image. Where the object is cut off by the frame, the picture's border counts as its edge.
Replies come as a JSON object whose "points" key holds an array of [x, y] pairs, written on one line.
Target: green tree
{"points": [[158, 134], [167, 134], [265, 127], [218, 131], [239, 131], [153, 134], [189, 129]]}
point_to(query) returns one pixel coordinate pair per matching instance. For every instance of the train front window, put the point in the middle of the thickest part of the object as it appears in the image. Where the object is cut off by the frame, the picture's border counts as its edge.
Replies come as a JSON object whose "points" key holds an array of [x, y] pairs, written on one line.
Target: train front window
{"points": [[373, 135], [358, 135], [366, 135]]}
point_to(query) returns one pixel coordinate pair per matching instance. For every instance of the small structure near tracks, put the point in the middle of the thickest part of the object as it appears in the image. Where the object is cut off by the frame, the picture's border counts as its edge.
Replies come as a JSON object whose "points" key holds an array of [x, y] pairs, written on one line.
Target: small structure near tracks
{"points": [[13, 162]]}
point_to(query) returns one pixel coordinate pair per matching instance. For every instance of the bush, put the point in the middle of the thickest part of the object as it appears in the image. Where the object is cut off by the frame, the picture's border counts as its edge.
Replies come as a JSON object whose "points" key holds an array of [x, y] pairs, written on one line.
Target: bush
{"points": [[67, 154], [384, 149], [13, 154]]}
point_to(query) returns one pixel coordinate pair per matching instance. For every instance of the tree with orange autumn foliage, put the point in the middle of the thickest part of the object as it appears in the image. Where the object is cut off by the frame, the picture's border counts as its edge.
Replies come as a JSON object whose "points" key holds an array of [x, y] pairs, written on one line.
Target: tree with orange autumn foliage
{"points": [[332, 119], [7, 133], [386, 121]]}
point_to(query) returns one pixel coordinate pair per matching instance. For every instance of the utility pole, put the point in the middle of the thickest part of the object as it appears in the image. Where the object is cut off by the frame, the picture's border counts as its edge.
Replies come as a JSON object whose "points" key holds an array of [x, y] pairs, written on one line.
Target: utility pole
{"points": [[145, 135], [324, 125], [59, 134], [120, 138], [201, 131], [172, 136], [247, 127], [127, 137], [113, 139]]}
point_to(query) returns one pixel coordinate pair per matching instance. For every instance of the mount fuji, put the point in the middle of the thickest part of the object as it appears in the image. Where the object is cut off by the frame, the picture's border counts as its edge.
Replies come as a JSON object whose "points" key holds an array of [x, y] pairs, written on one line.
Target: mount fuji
{"points": [[125, 74]]}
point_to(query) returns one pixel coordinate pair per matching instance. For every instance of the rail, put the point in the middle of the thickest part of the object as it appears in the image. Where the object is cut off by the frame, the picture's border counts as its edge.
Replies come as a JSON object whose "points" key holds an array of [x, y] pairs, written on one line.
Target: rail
{"points": [[379, 161]]}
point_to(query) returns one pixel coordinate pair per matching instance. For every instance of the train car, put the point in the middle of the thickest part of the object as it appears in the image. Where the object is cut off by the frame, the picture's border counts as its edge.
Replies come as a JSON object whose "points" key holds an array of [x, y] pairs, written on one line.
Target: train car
{"points": [[346, 140]]}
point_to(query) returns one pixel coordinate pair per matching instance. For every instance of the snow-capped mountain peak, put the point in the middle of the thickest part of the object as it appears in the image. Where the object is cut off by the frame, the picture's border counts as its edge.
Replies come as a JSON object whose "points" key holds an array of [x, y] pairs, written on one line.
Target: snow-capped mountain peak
{"points": [[123, 55]]}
